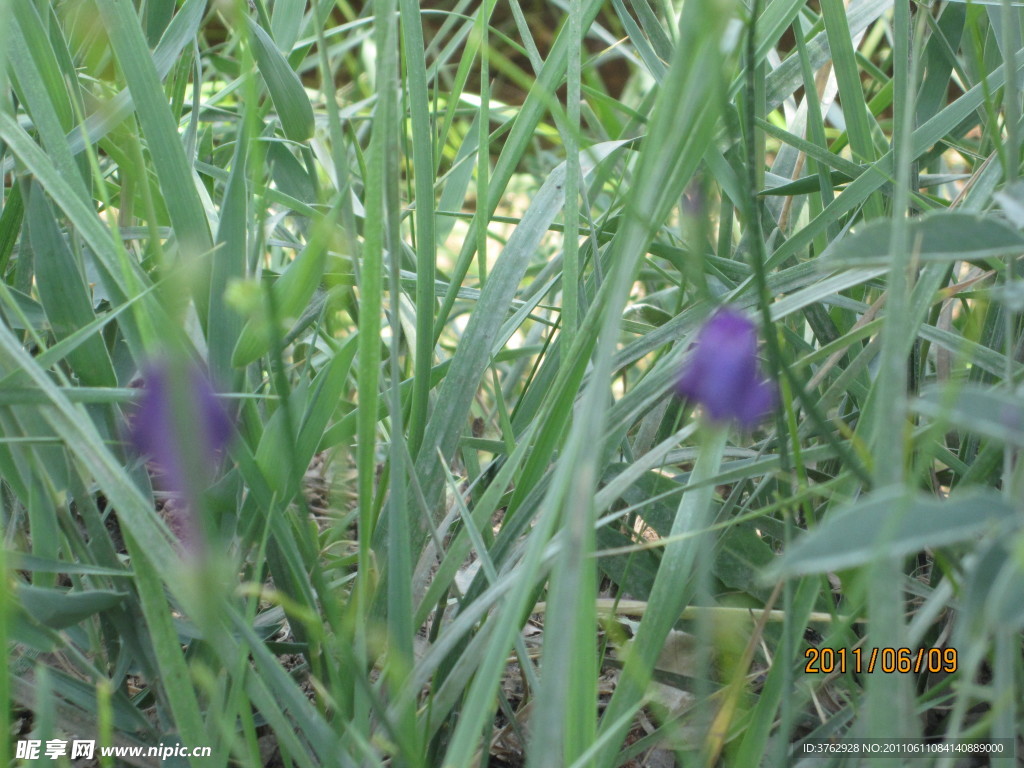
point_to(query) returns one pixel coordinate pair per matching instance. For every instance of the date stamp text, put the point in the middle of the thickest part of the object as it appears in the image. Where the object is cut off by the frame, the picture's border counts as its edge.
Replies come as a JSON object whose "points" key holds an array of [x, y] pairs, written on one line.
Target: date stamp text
{"points": [[825, 661]]}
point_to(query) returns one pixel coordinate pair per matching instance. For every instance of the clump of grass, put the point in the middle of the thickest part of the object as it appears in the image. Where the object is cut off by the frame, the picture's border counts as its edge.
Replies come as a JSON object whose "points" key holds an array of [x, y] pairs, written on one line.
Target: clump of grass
{"points": [[444, 268]]}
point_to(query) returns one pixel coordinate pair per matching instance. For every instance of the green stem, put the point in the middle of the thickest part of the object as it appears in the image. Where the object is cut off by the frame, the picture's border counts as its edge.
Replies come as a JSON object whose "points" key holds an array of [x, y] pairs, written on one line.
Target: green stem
{"points": [[674, 586]]}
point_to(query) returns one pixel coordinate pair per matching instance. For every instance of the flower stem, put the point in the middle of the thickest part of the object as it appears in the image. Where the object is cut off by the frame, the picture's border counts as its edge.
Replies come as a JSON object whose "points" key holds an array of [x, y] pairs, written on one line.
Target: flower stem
{"points": [[674, 584]]}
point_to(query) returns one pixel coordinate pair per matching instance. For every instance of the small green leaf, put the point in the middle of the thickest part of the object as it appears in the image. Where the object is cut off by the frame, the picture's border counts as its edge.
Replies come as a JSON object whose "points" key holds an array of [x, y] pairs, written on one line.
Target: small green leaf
{"points": [[59, 609], [290, 176], [286, 91], [174, 172], [805, 185], [24, 562], [292, 291], [64, 293], [977, 409], [887, 524], [633, 572], [647, 313], [937, 236], [993, 592], [740, 557]]}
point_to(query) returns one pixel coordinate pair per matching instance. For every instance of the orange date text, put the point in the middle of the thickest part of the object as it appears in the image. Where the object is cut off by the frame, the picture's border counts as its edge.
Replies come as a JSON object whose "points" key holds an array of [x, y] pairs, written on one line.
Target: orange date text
{"points": [[826, 661]]}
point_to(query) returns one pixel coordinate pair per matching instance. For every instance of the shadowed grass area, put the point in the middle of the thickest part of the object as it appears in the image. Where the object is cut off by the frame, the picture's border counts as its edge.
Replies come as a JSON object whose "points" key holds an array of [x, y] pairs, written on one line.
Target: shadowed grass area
{"points": [[443, 270]]}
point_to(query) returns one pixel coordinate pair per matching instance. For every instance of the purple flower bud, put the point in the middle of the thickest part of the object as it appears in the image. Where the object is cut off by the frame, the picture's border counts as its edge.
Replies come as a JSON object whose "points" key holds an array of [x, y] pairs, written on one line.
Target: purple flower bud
{"points": [[182, 427], [722, 372]]}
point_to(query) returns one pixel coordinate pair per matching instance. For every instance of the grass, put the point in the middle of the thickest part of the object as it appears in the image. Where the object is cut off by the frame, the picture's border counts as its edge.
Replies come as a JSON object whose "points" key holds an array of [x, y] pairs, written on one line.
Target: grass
{"points": [[444, 267]]}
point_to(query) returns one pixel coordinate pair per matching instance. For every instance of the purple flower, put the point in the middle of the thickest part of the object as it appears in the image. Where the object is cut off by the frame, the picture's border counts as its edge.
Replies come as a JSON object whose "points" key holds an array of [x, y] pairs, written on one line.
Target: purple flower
{"points": [[182, 427], [722, 372]]}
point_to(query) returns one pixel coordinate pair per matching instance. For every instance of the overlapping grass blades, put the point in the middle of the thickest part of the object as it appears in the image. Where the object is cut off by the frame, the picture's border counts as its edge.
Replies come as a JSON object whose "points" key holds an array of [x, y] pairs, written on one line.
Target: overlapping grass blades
{"points": [[444, 266]]}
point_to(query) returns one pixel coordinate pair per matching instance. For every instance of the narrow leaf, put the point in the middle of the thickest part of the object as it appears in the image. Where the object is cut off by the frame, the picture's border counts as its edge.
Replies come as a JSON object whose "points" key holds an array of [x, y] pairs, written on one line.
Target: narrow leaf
{"points": [[886, 525], [286, 91]]}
